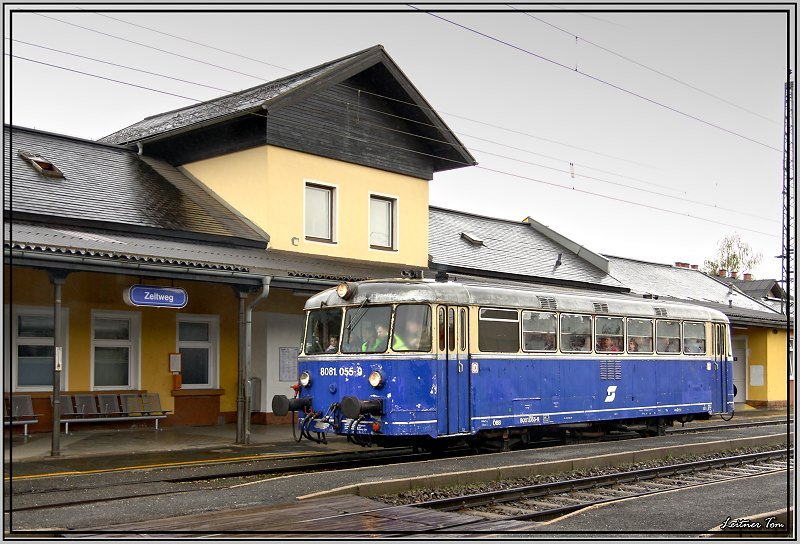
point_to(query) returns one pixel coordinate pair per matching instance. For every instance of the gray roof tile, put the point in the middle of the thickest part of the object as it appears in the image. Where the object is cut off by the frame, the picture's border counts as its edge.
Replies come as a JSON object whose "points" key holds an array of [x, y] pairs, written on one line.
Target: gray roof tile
{"points": [[509, 247], [115, 187], [686, 284]]}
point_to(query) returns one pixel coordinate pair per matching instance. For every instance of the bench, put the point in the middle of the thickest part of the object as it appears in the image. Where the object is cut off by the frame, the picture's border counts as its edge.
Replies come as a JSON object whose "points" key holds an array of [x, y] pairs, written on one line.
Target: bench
{"points": [[21, 412], [107, 408]]}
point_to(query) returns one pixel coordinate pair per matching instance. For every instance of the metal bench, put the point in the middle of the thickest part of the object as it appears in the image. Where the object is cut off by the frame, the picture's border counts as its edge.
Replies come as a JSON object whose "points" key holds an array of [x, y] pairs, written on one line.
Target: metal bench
{"points": [[132, 408], [21, 412]]}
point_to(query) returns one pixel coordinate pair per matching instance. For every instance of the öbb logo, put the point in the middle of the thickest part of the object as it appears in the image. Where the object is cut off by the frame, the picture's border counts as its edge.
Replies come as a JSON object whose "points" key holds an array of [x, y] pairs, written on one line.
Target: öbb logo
{"points": [[611, 393]]}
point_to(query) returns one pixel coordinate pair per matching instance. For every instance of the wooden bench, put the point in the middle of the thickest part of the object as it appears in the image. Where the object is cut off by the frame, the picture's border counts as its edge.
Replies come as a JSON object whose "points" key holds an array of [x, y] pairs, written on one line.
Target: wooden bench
{"points": [[106, 408], [21, 412]]}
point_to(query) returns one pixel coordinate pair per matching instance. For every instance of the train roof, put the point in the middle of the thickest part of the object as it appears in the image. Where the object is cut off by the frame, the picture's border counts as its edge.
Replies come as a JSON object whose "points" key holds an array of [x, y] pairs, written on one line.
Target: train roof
{"points": [[513, 296]]}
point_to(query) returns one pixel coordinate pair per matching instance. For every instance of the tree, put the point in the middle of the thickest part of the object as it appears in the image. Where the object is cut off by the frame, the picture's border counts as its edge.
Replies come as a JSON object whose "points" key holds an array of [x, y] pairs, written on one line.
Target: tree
{"points": [[733, 255]]}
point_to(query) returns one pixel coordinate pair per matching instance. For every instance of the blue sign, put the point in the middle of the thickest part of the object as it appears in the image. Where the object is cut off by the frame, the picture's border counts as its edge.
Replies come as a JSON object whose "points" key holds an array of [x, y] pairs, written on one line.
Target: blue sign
{"points": [[156, 297]]}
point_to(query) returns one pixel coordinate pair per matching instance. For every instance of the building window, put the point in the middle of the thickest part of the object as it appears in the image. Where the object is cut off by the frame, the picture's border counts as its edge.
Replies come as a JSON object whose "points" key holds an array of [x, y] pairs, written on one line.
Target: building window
{"points": [[115, 350], [319, 210], [197, 344], [33, 351], [382, 222]]}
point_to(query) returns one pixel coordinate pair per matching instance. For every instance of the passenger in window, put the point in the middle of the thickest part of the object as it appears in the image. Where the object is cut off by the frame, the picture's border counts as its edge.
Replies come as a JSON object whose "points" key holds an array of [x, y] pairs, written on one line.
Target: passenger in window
{"points": [[633, 346], [333, 345], [371, 342], [413, 338], [607, 345]]}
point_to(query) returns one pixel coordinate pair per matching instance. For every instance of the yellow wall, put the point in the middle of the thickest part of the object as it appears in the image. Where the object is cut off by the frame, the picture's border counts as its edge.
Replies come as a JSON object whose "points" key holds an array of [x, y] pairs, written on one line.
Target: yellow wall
{"points": [[84, 292], [266, 185], [768, 349]]}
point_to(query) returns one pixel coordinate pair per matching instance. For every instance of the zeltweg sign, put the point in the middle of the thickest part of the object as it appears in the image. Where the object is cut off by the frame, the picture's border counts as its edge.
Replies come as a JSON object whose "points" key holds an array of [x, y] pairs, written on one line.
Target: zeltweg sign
{"points": [[155, 297]]}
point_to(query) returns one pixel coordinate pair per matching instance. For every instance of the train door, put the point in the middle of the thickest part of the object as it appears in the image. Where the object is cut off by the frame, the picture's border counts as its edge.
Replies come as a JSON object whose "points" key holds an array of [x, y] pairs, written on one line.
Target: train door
{"points": [[453, 344], [720, 369]]}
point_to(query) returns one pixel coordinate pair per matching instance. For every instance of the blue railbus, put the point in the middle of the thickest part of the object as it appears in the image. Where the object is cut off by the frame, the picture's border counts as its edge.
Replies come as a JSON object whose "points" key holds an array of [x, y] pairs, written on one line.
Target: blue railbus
{"points": [[431, 363]]}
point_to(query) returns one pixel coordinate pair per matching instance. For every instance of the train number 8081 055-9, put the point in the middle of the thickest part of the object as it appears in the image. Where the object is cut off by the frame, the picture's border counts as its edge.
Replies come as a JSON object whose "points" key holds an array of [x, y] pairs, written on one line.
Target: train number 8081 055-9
{"points": [[347, 371]]}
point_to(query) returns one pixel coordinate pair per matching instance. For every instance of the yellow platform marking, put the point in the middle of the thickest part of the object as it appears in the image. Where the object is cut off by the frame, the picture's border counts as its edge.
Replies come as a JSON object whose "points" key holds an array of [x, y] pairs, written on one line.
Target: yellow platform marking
{"points": [[162, 465]]}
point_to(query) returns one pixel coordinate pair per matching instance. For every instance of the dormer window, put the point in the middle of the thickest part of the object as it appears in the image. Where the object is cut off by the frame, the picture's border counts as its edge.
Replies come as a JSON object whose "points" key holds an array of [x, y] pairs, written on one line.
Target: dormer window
{"points": [[472, 238], [42, 165]]}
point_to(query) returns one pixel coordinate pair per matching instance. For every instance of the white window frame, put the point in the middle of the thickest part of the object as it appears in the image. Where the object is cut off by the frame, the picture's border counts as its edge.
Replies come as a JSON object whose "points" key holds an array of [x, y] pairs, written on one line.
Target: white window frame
{"points": [[395, 221], [212, 344], [133, 343], [15, 312], [334, 189]]}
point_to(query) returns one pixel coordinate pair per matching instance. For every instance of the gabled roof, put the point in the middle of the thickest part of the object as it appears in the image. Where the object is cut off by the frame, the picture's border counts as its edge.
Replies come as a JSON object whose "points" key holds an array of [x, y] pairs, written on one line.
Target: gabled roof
{"points": [[760, 289], [111, 187], [274, 95], [667, 281], [464, 242]]}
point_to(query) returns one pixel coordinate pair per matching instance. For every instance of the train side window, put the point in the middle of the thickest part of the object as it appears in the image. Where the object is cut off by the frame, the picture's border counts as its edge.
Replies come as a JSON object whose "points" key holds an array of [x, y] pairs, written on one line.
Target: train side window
{"points": [[322, 325], [451, 329], [640, 335], [609, 334], [412, 328], [576, 332], [441, 329], [694, 338], [668, 336], [463, 328], [539, 331], [498, 330]]}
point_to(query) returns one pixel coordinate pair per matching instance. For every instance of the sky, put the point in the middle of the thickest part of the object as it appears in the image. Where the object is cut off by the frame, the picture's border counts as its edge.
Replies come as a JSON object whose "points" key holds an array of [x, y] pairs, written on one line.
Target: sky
{"points": [[648, 135]]}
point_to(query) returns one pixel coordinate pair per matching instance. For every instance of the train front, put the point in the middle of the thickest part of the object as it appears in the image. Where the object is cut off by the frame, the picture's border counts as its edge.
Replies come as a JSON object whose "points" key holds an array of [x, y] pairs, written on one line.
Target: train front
{"points": [[367, 369]]}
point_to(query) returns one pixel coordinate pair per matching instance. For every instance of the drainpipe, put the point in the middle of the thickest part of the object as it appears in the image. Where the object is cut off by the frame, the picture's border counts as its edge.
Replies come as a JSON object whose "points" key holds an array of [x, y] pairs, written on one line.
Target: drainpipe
{"points": [[245, 359], [57, 278]]}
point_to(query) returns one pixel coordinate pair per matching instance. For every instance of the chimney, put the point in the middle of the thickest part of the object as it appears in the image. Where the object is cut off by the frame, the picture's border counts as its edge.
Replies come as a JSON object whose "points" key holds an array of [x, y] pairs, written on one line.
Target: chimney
{"points": [[722, 273], [748, 276], [681, 265], [695, 266], [734, 274]]}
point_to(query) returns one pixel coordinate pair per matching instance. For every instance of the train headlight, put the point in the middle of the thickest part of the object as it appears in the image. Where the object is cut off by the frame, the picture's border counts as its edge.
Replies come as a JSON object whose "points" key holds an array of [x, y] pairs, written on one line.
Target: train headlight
{"points": [[375, 379], [305, 379], [345, 290]]}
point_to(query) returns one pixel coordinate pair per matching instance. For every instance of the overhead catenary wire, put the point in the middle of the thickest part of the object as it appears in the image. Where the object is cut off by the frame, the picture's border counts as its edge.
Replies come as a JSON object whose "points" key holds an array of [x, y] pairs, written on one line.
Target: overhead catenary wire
{"points": [[642, 65], [598, 80], [361, 106], [385, 144], [287, 69]]}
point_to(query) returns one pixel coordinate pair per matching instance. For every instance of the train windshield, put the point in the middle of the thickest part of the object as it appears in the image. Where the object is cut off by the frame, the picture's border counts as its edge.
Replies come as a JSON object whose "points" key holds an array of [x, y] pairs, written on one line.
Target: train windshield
{"points": [[366, 329], [322, 330]]}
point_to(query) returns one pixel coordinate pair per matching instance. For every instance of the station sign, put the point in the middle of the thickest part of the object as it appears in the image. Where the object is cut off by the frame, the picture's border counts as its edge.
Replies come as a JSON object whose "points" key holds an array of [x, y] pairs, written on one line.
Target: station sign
{"points": [[154, 296]]}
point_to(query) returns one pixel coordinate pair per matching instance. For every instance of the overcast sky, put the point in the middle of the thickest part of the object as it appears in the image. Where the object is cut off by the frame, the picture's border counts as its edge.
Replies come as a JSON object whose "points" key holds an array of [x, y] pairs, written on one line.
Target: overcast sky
{"points": [[665, 164]]}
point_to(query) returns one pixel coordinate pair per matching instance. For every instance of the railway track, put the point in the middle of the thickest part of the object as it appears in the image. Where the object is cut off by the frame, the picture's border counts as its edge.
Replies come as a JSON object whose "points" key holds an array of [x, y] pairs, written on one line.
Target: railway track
{"points": [[548, 501], [33, 496]]}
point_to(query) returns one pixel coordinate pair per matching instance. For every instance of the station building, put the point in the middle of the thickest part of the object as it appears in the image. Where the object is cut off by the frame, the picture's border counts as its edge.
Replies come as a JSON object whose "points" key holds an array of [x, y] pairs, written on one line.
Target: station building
{"points": [[248, 203]]}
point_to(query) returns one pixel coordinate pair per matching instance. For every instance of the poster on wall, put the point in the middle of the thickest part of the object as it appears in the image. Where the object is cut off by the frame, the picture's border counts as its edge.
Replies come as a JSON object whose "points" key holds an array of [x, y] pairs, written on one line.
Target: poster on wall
{"points": [[288, 364]]}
